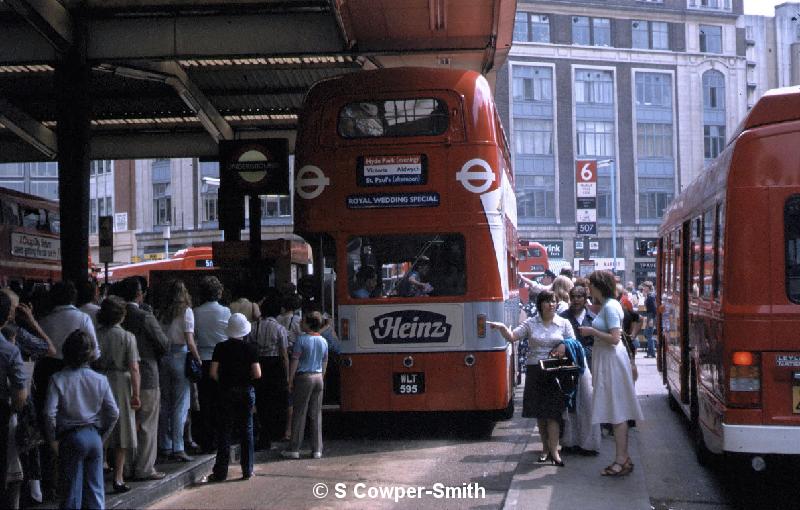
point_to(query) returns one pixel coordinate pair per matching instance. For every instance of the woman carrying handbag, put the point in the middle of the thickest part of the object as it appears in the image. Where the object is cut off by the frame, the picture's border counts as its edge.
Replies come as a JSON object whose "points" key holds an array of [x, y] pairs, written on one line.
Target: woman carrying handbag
{"points": [[542, 398]]}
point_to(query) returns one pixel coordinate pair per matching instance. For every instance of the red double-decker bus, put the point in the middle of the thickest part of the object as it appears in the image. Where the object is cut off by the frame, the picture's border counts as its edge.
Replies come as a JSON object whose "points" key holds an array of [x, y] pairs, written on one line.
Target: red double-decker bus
{"points": [[729, 290], [405, 191], [532, 263]]}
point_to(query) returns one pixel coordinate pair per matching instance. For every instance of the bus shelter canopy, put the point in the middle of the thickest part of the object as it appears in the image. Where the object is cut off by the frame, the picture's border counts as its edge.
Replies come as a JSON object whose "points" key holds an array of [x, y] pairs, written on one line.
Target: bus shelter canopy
{"points": [[172, 78]]}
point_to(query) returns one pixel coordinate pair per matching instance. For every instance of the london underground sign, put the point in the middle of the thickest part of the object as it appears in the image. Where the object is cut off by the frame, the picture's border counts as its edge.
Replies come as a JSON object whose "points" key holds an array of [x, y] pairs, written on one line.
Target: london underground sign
{"points": [[586, 197]]}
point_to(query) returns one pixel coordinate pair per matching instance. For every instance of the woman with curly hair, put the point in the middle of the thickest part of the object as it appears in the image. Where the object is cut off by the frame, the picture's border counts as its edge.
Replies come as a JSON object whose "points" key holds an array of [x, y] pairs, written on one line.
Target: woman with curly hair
{"points": [[119, 361], [177, 321]]}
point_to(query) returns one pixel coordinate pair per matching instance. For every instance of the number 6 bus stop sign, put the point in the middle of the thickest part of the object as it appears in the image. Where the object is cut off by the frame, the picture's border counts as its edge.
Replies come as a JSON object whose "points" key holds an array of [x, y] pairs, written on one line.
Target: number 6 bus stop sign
{"points": [[586, 197]]}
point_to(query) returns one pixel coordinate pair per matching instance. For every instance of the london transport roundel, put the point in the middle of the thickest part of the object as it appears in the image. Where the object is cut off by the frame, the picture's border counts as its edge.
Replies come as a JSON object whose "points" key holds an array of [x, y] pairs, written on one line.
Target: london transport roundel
{"points": [[485, 177], [310, 182]]}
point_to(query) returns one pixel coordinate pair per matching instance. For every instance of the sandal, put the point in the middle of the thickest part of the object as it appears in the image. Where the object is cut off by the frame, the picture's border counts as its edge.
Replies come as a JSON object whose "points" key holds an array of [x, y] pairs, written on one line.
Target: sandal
{"points": [[625, 468], [543, 458]]}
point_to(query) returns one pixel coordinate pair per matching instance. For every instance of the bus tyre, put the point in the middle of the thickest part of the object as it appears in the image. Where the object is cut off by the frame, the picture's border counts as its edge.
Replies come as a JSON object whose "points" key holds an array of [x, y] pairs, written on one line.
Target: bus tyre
{"points": [[671, 402], [704, 456], [508, 412]]}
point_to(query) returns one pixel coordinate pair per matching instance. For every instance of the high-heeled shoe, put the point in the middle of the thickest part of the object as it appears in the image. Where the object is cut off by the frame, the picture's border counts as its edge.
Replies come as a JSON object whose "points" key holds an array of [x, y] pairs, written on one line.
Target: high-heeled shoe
{"points": [[559, 463], [119, 488], [544, 458]]}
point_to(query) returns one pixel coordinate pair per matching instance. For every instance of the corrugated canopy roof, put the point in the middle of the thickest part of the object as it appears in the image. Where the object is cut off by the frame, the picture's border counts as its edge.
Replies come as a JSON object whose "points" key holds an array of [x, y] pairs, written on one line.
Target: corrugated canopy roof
{"points": [[170, 78]]}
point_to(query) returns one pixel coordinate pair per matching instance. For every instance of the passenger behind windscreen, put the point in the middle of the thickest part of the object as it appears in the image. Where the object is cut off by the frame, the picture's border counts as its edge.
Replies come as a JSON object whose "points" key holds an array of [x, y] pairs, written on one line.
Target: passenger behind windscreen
{"points": [[414, 283]]}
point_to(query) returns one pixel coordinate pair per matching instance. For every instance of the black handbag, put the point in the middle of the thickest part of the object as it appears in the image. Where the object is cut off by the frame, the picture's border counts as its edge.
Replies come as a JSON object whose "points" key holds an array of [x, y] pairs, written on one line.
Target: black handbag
{"points": [[28, 435], [193, 368], [564, 372]]}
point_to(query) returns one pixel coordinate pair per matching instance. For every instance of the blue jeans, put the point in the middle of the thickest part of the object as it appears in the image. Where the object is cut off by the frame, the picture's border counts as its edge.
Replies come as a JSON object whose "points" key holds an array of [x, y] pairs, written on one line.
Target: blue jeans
{"points": [[651, 341], [80, 454], [236, 415], [174, 399]]}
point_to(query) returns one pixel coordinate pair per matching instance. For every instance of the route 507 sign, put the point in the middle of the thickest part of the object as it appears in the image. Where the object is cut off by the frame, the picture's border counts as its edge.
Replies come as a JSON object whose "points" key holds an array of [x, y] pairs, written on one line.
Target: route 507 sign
{"points": [[586, 197]]}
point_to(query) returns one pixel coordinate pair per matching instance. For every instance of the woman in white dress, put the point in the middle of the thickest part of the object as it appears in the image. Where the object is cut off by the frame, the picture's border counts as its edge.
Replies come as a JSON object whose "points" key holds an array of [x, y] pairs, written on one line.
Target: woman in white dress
{"points": [[542, 398], [614, 394]]}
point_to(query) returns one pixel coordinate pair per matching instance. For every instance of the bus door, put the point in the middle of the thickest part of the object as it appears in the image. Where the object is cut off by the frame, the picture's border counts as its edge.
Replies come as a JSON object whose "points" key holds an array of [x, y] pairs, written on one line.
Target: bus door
{"points": [[687, 276]]}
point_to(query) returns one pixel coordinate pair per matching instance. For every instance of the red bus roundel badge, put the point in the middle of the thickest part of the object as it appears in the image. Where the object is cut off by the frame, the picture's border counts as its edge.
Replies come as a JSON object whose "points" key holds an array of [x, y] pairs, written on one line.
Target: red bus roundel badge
{"points": [[482, 178], [310, 182]]}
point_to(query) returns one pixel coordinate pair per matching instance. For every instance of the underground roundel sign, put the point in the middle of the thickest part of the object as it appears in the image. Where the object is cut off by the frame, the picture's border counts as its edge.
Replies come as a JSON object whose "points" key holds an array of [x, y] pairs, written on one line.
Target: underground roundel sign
{"points": [[476, 175], [257, 166], [310, 182]]}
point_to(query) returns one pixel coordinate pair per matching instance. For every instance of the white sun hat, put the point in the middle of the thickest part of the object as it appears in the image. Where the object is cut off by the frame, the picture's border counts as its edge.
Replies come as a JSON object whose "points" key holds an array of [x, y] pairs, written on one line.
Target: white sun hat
{"points": [[238, 326]]}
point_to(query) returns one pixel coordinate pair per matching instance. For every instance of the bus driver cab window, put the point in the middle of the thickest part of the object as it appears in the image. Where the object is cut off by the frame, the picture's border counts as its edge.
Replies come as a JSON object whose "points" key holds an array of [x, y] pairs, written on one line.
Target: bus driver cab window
{"points": [[406, 265]]}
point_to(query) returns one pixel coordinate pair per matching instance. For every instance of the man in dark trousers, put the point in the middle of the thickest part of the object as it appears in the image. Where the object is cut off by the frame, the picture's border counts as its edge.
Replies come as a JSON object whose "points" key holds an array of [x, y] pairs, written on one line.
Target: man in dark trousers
{"points": [[152, 343]]}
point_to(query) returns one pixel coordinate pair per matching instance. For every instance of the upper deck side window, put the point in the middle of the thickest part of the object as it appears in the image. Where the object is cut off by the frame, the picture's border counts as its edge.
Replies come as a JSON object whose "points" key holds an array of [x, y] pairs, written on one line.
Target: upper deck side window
{"points": [[791, 225], [393, 118]]}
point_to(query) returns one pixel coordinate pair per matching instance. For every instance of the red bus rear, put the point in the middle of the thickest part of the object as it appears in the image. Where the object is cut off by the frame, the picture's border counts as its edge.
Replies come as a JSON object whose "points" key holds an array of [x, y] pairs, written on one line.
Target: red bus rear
{"points": [[404, 190], [532, 263], [199, 257], [729, 289]]}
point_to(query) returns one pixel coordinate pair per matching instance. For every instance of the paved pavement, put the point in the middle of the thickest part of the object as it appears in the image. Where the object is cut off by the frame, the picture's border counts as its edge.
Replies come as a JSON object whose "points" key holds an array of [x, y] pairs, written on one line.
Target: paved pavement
{"points": [[511, 476], [578, 485]]}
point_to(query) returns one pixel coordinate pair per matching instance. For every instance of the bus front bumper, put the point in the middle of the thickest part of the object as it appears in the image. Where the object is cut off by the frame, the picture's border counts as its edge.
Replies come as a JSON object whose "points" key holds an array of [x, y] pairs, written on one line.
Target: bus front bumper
{"points": [[761, 439]]}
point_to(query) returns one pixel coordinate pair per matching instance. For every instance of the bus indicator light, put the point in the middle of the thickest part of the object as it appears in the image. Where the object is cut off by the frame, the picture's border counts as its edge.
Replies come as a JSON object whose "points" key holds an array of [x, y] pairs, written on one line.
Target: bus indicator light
{"points": [[481, 326], [345, 333], [742, 358]]}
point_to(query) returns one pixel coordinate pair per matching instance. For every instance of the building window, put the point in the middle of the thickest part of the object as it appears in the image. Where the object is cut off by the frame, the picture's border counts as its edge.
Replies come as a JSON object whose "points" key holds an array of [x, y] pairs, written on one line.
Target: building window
{"points": [[714, 140], [100, 166], [655, 194], [210, 207], [533, 136], [12, 170], [650, 34], [653, 89], [713, 90], [595, 138], [710, 39], [531, 27], [532, 84], [591, 31], [162, 204], [44, 169], [654, 140], [594, 87], [536, 196], [721, 5], [45, 189], [713, 113], [92, 216], [275, 206]]}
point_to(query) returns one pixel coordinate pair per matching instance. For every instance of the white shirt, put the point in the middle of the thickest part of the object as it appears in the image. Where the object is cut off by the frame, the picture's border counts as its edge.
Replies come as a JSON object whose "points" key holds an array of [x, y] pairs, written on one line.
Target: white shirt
{"points": [[62, 321], [91, 310], [210, 321], [542, 339], [175, 330]]}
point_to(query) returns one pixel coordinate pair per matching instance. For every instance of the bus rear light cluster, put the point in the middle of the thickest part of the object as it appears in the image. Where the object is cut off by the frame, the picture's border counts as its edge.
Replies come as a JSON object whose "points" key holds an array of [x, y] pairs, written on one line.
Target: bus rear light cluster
{"points": [[480, 326], [344, 329], [744, 379]]}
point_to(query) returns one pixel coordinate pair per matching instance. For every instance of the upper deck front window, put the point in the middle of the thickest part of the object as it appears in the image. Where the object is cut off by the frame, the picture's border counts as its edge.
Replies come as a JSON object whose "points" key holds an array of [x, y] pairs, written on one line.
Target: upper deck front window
{"points": [[393, 118]]}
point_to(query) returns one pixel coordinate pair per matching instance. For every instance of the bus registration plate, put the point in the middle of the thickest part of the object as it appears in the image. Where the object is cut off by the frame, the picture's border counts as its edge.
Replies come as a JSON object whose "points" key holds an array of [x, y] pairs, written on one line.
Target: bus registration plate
{"points": [[409, 383]]}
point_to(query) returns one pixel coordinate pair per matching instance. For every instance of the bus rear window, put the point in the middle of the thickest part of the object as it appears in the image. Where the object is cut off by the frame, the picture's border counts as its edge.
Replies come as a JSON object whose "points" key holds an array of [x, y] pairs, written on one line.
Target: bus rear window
{"points": [[791, 224], [407, 265], [393, 118]]}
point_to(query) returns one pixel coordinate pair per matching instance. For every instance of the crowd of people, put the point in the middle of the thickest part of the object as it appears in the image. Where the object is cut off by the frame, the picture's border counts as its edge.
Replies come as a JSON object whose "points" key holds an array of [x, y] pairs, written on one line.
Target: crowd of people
{"points": [[591, 323], [95, 379]]}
